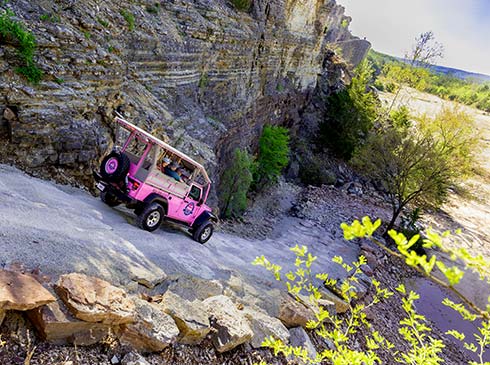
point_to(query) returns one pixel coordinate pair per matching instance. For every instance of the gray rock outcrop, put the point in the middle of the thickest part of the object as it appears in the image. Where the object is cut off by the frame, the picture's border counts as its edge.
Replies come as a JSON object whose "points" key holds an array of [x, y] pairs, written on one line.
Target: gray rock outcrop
{"points": [[190, 318], [152, 330], [264, 326], [231, 326]]}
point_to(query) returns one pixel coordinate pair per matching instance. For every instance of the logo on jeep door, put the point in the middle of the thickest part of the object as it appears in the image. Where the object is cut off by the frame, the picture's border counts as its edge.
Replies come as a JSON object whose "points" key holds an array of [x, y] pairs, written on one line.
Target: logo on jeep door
{"points": [[189, 208]]}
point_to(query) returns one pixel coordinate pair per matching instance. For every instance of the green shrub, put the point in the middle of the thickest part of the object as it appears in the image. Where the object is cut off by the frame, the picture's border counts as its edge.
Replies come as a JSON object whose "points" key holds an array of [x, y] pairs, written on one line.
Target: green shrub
{"points": [[153, 9], [31, 72], [350, 115], [418, 166], [129, 17], [242, 4], [103, 22], [14, 32], [50, 18], [401, 117], [273, 154], [235, 184]]}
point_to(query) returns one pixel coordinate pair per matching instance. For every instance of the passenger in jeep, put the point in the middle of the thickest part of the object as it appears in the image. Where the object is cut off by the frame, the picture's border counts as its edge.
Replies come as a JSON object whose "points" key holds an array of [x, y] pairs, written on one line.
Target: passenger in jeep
{"points": [[163, 165], [171, 170]]}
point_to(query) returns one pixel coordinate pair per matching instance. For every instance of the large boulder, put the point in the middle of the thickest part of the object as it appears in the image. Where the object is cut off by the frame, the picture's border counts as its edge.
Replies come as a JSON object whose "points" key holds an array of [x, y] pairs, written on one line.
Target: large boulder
{"points": [[152, 331], [293, 312], [232, 328], [56, 325], [21, 292], [192, 288], [95, 300], [264, 326], [191, 319]]}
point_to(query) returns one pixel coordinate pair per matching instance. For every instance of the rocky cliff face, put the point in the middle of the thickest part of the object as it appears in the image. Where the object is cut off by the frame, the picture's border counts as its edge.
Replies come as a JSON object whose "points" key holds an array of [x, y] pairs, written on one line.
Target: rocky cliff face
{"points": [[199, 73]]}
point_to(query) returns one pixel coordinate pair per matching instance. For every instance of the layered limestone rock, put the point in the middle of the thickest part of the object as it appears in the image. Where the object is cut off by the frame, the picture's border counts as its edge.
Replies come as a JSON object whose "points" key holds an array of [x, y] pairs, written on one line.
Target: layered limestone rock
{"points": [[191, 319], [56, 325], [95, 300], [21, 292], [200, 74], [153, 330]]}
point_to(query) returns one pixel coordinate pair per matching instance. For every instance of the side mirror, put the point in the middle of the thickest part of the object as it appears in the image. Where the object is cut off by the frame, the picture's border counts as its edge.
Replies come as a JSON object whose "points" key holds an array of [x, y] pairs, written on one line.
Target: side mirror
{"points": [[200, 202]]}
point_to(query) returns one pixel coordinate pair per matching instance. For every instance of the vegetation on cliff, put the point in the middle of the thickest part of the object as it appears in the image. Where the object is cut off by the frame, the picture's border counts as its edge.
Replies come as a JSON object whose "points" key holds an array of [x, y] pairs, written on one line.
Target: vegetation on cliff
{"points": [[350, 114], [15, 33], [273, 155], [246, 172], [235, 184]]}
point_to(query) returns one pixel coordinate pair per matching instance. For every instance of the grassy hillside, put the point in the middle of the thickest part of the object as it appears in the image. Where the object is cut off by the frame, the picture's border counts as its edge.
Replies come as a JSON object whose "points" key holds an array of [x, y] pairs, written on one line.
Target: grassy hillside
{"points": [[449, 84]]}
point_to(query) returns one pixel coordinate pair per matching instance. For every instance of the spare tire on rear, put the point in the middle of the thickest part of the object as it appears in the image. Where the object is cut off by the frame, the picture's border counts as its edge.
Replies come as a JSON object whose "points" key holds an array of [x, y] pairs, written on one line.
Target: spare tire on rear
{"points": [[114, 167]]}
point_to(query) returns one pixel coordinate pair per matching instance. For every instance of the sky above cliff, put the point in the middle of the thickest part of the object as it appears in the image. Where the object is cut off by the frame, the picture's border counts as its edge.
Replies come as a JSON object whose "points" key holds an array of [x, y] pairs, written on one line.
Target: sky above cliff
{"points": [[463, 27]]}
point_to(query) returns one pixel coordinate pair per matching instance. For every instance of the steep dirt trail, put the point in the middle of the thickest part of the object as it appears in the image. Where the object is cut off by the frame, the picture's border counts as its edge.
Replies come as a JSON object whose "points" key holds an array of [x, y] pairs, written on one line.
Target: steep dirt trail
{"points": [[60, 229]]}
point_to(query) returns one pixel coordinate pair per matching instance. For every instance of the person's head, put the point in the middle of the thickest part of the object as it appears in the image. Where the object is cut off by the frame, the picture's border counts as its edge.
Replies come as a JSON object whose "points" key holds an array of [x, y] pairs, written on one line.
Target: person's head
{"points": [[173, 166], [166, 161]]}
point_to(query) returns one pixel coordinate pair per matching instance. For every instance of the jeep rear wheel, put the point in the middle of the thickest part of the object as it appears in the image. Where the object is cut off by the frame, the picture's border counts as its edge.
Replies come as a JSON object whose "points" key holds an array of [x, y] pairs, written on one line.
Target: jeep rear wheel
{"points": [[109, 198], [150, 217], [114, 167], [203, 233]]}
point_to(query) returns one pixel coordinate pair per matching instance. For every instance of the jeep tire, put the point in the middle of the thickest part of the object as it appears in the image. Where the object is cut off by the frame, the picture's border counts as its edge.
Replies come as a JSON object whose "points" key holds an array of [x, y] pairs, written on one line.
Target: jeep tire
{"points": [[114, 167], [151, 217], [203, 233], [109, 198]]}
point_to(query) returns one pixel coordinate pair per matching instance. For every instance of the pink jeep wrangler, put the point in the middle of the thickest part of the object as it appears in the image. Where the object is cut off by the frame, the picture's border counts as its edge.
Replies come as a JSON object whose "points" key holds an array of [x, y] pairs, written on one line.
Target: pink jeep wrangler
{"points": [[157, 181]]}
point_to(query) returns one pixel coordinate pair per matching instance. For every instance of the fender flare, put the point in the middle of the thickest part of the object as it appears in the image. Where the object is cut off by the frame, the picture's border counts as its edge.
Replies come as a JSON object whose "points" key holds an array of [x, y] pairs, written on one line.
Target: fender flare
{"points": [[156, 198], [204, 216]]}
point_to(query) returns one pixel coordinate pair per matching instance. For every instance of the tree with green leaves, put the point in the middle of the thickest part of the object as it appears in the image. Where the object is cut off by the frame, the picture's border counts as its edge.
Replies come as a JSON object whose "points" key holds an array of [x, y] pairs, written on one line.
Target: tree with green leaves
{"points": [[273, 154], [418, 164], [350, 114], [235, 184], [425, 51]]}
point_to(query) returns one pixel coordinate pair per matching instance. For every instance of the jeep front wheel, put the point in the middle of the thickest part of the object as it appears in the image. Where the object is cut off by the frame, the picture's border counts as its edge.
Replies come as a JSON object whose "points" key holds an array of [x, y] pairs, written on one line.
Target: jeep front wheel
{"points": [[203, 233], [150, 217]]}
